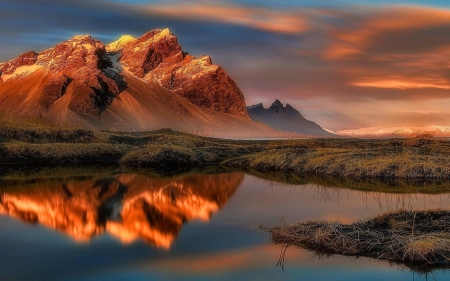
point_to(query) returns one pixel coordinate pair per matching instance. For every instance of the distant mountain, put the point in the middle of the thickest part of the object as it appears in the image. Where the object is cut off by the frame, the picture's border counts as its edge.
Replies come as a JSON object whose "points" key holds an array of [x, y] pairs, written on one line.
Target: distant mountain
{"points": [[286, 118], [397, 132], [133, 84]]}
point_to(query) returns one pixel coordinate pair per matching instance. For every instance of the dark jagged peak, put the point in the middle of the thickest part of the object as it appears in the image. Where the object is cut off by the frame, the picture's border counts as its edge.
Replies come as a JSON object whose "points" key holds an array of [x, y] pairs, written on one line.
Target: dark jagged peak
{"points": [[276, 107], [285, 118], [289, 108], [277, 103], [256, 107]]}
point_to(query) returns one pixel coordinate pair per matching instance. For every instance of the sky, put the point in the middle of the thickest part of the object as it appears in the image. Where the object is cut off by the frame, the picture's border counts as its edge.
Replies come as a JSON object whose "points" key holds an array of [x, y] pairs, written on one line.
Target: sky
{"points": [[344, 64]]}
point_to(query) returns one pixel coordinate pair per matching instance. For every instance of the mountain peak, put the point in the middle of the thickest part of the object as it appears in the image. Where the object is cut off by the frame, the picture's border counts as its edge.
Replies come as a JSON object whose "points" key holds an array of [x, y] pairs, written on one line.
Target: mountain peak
{"points": [[285, 118], [277, 103], [120, 43], [258, 105], [278, 107], [150, 83], [81, 38], [126, 38], [291, 109], [74, 54], [156, 34]]}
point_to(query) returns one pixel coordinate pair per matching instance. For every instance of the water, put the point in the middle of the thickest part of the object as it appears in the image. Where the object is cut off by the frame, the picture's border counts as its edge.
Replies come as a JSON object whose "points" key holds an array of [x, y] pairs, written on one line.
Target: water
{"points": [[118, 225]]}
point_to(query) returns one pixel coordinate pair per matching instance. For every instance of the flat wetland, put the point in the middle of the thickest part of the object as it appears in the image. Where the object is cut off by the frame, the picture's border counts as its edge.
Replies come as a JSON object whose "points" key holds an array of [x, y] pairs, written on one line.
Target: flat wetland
{"points": [[41, 161], [421, 158]]}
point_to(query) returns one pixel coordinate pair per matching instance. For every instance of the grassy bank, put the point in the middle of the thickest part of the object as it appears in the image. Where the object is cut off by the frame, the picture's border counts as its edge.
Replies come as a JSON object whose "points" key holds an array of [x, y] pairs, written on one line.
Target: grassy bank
{"points": [[418, 239], [35, 141], [403, 159]]}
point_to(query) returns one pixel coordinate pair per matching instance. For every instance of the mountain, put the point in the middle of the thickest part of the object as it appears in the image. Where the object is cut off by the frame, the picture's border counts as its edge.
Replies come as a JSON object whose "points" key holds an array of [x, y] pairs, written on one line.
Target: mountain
{"points": [[286, 118], [397, 132], [132, 84]]}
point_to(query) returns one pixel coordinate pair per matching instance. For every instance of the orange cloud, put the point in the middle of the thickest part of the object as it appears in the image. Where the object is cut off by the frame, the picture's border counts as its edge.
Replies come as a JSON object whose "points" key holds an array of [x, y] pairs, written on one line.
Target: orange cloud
{"points": [[255, 17], [404, 83], [351, 42], [392, 48]]}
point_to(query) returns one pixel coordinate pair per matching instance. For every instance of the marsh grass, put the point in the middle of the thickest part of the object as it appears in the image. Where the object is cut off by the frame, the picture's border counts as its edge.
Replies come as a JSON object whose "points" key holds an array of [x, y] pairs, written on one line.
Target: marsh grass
{"points": [[405, 159], [415, 238], [35, 130], [59, 153], [26, 140]]}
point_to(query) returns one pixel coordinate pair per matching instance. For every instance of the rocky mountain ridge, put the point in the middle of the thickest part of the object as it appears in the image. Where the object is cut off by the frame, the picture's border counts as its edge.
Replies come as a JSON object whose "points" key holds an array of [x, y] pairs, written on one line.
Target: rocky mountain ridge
{"points": [[132, 84], [285, 118]]}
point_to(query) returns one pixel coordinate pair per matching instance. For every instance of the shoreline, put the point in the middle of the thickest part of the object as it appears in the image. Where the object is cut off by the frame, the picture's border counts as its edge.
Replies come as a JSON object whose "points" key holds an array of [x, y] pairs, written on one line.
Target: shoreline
{"points": [[407, 159]]}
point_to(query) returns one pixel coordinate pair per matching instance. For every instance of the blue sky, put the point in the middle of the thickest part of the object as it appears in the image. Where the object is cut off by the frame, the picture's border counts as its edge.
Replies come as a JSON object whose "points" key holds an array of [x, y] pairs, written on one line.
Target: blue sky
{"points": [[344, 64]]}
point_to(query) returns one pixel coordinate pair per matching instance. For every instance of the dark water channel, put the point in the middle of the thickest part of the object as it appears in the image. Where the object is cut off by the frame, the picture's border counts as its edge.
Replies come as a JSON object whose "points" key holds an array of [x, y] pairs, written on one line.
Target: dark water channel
{"points": [[114, 224]]}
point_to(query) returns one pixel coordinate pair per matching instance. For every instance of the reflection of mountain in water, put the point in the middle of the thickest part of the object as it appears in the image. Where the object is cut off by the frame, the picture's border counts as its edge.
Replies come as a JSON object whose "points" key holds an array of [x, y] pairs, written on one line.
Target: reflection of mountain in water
{"points": [[128, 206]]}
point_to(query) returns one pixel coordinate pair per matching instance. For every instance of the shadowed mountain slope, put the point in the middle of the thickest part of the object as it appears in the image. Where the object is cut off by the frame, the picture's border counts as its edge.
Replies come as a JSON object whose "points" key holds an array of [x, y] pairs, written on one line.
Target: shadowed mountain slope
{"points": [[286, 118]]}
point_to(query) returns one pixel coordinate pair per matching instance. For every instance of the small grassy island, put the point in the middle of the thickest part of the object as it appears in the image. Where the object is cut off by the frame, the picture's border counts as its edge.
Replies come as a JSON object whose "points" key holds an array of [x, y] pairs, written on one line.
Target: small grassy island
{"points": [[420, 240]]}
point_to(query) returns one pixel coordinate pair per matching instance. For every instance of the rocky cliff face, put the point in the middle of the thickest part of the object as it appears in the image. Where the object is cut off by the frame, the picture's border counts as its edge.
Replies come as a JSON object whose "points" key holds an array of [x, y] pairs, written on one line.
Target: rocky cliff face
{"points": [[132, 84], [158, 56], [80, 63], [26, 59], [286, 118]]}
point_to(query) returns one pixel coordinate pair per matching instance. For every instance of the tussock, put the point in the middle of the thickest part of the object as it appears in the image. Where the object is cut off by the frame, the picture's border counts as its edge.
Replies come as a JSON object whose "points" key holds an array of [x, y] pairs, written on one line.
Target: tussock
{"points": [[419, 238]]}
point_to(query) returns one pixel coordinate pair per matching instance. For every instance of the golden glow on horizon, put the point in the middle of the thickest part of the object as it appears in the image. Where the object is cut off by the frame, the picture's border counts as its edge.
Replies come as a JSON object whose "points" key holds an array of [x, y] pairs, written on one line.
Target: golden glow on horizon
{"points": [[386, 130], [404, 84]]}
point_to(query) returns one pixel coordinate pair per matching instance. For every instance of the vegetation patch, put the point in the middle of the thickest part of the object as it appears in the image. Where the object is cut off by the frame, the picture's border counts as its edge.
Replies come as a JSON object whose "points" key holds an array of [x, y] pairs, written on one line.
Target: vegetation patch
{"points": [[26, 140], [59, 153], [415, 238], [380, 161], [158, 155]]}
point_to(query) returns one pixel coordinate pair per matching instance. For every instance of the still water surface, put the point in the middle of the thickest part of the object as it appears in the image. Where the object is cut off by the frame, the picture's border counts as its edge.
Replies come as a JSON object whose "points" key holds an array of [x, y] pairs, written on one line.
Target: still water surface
{"points": [[143, 226]]}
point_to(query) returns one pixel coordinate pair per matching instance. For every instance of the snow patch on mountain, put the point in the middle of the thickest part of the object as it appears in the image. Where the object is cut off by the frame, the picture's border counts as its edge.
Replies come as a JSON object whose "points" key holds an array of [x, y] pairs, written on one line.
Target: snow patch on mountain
{"points": [[21, 72], [120, 43], [404, 131]]}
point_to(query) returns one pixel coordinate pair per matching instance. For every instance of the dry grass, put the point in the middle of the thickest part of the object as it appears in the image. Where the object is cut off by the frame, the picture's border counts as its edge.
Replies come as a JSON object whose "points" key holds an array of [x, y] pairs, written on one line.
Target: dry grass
{"points": [[419, 238], [59, 153], [405, 159], [194, 154], [34, 130], [418, 158]]}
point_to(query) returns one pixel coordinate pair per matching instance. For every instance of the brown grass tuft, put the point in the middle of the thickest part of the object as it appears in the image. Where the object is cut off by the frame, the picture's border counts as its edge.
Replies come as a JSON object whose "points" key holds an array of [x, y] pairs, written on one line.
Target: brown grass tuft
{"points": [[421, 238]]}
